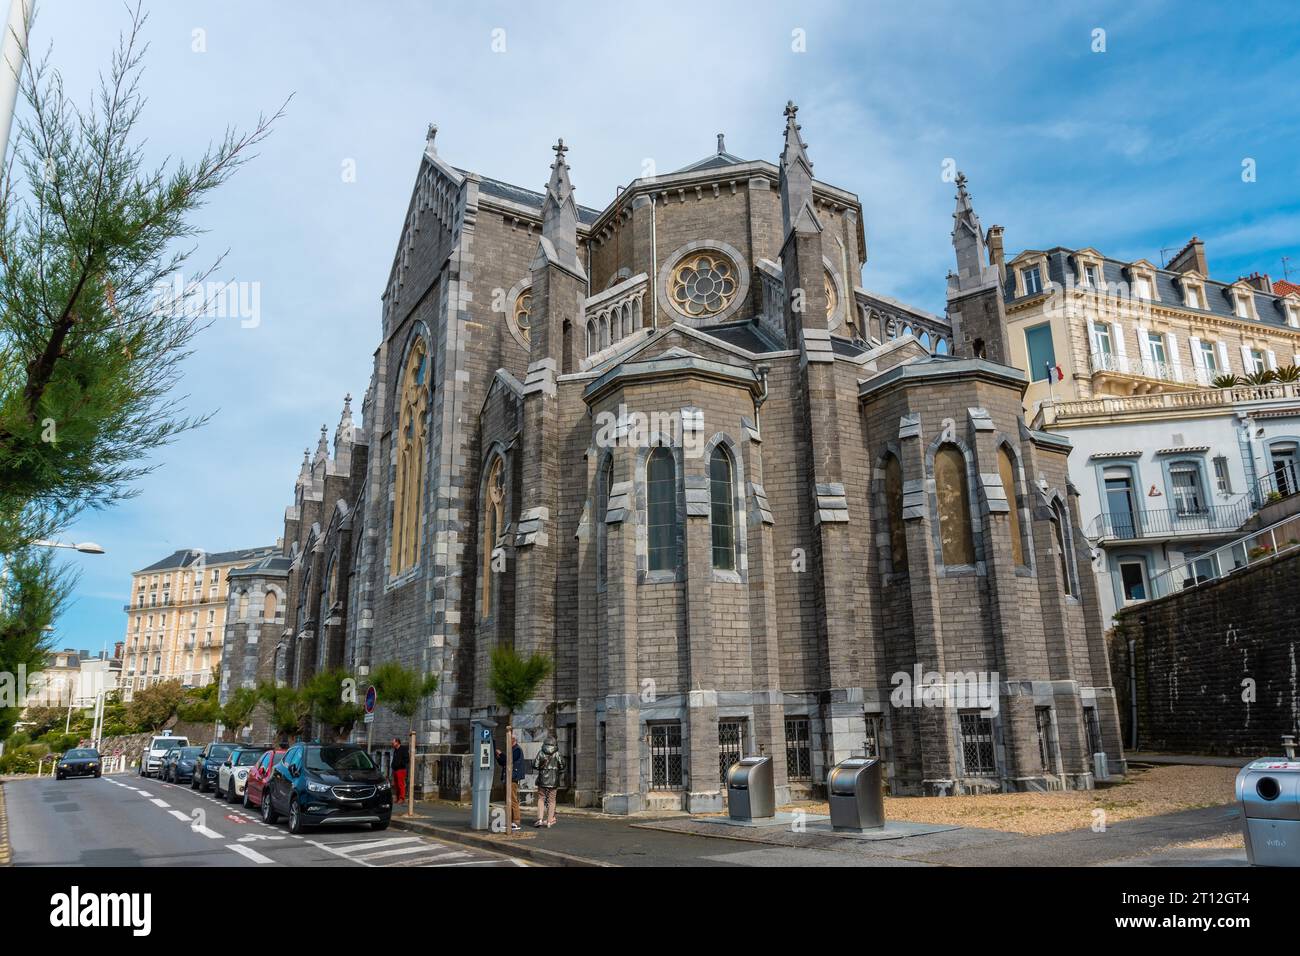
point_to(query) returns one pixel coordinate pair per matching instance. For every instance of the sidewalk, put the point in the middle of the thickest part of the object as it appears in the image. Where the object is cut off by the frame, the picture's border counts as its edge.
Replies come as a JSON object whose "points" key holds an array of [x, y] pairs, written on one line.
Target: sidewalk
{"points": [[1188, 760], [584, 838]]}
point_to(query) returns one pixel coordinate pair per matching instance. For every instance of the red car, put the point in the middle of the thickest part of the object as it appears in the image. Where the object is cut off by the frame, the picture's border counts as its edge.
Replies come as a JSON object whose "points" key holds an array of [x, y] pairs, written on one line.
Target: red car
{"points": [[257, 778]]}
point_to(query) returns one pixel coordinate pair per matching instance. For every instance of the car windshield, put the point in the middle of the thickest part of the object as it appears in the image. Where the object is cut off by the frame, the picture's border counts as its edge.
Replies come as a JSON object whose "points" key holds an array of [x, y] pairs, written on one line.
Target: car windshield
{"points": [[220, 751], [247, 758], [191, 751], [338, 758], [168, 743], [81, 755]]}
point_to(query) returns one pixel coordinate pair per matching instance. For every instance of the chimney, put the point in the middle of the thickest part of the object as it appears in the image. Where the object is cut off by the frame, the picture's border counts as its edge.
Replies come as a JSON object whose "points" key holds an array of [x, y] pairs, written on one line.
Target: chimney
{"points": [[1261, 282], [1190, 257], [996, 254]]}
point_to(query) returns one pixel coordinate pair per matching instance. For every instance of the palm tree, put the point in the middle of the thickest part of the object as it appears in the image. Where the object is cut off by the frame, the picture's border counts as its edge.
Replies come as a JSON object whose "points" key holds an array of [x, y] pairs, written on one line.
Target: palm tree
{"points": [[1226, 381], [403, 691], [1287, 373], [1265, 376], [514, 681]]}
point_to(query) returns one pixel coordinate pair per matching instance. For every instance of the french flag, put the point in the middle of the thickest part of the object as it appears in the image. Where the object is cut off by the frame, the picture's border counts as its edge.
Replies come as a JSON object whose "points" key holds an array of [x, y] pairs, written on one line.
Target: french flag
{"points": [[1054, 372]]}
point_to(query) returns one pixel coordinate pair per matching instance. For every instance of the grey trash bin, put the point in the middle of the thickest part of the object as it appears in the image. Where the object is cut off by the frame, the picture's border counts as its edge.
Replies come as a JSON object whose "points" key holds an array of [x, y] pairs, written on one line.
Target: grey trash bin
{"points": [[751, 792], [853, 789], [1269, 793]]}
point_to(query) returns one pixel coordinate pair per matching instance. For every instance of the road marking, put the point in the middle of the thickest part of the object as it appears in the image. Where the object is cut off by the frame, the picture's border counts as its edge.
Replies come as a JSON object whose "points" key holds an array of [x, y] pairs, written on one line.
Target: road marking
{"points": [[374, 844], [164, 804], [180, 816], [210, 834], [248, 852], [329, 849], [402, 851]]}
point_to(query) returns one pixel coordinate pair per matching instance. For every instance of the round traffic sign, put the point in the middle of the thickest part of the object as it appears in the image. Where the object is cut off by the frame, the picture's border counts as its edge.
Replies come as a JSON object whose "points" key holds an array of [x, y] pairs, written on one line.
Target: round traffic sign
{"points": [[372, 698]]}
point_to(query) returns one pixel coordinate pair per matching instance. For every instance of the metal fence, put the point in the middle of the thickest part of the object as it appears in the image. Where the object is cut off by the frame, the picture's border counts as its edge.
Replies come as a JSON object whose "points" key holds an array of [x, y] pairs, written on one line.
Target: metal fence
{"points": [[1278, 538], [1131, 525]]}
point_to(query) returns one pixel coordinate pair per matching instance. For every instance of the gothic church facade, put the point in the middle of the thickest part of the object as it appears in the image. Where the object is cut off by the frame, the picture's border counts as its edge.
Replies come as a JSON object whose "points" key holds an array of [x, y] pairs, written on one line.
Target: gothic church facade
{"points": [[743, 504]]}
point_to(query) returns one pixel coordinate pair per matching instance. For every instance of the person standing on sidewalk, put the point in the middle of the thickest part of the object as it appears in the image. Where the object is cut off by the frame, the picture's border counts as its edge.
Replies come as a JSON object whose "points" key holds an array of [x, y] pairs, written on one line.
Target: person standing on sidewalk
{"points": [[548, 765], [517, 772], [401, 760]]}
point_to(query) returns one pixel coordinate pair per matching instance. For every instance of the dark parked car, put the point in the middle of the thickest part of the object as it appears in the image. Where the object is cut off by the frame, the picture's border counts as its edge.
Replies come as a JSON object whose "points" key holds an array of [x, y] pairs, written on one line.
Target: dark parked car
{"points": [[178, 765], [79, 762], [209, 762], [327, 784]]}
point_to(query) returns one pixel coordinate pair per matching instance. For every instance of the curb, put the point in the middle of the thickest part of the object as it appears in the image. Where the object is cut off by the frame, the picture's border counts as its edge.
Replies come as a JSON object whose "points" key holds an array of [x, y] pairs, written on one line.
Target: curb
{"points": [[529, 853], [5, 858]]}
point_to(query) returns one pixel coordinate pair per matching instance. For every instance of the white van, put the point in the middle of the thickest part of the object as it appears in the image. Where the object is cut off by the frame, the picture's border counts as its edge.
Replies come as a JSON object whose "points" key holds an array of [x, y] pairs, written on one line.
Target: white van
{"points": [[152, 758]]}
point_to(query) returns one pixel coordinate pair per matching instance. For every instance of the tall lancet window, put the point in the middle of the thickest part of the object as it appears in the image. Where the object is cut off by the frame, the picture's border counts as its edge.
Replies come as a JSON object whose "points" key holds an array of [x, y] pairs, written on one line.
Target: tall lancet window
{"points": [[957, 544], [661, 494], [412, 448], [1007, 470], [493, 521], [894, 503], [602, 535], [721, 511]]}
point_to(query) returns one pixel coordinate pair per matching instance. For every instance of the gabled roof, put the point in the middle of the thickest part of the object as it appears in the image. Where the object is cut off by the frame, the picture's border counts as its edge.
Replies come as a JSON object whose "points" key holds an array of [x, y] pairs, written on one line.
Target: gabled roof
{"points": [[527, 197], [188, 556], [713, 161]]}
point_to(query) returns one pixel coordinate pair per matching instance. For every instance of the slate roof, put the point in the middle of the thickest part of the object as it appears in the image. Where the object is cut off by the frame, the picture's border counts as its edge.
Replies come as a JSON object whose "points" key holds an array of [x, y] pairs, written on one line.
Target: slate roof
{"points": [[187, 556], [712, 161], [527, 197], [272, 564], [745, 335], [1269, 308]]}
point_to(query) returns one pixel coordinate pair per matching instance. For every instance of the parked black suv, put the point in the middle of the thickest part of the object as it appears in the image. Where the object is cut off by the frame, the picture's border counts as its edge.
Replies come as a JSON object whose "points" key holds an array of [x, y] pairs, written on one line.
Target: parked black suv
{"points": [[209, 762], [318, 784], [178, 765]]}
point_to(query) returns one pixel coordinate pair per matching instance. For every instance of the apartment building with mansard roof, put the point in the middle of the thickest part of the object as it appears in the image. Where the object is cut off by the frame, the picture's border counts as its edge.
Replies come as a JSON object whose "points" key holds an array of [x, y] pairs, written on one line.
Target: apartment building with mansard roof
{"points": [[176, 617]]}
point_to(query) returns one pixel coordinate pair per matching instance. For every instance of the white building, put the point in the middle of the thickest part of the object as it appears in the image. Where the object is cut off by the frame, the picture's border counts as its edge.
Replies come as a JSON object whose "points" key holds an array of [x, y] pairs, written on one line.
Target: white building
{"points": [[1167, 477]]}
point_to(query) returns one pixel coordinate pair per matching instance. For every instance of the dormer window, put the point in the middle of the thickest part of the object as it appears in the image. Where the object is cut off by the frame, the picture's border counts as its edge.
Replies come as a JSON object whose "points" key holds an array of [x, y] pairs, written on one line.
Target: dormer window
{"points": [[1292, 306], [1143, 276], [1092, 277], [1243, 301], [1193, 294], [1033, 281], [1088, 274]]}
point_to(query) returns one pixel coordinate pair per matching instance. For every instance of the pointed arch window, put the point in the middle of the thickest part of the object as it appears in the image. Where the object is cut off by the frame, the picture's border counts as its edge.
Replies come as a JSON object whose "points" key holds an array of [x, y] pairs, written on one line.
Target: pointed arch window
{"points": [[952, 491], [603, 486], [270, 605], [243, 605], [412, 442], [1007, 470], [493, 521], [894, 507], [661, 512], [721, 510], [1061, 538]]}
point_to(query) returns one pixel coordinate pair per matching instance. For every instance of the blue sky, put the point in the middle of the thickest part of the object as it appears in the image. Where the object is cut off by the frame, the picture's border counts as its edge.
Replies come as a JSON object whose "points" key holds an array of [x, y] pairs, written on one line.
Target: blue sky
{"points": [[1131, 150]]}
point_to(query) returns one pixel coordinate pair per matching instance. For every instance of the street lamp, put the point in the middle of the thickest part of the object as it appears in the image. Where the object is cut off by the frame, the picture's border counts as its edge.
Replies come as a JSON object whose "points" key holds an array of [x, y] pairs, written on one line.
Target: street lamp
{"points": [[85, 547]]}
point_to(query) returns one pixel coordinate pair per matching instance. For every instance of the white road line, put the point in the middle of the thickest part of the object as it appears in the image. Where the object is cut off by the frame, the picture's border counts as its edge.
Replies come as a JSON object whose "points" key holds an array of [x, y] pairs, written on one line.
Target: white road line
{"points": [[180, 815], [374, 844], [409, 849], [469, 863], [251, 854], [210, 834], [329, 849], [164, 804]]}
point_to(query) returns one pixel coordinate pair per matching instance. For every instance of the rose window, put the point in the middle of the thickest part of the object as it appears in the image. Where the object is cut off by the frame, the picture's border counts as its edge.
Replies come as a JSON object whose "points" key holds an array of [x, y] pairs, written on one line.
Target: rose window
{"points": [[703, 284], [523, 312]]}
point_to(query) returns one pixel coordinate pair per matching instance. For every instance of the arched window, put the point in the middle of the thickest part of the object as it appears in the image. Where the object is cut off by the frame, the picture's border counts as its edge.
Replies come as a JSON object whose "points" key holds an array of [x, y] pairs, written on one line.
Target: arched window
{"points": [[493, 521], [243, 605], [1007, 470], [412, 438], [925, 340], [603, 486], [591, 336], [270, 605], [1060, 539], [604, 330], [721, 510], [957, 544], [894, 505], [941, 348], [661, 516]]}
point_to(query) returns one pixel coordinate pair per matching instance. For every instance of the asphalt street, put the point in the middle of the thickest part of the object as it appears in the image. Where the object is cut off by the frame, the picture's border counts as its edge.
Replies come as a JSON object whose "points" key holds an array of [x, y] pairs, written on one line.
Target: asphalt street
{"points": [[126, 820]]}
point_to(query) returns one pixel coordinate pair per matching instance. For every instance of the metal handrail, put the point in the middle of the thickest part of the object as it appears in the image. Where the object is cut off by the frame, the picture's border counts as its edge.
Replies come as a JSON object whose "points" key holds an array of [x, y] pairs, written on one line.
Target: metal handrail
{"points": [[1284, 480], [1171, 521], [1212, 566]]}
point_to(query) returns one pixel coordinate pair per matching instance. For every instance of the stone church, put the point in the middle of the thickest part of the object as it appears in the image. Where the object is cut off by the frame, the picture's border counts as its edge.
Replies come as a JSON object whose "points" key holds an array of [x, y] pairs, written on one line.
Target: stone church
{"points": [[744, 505]]}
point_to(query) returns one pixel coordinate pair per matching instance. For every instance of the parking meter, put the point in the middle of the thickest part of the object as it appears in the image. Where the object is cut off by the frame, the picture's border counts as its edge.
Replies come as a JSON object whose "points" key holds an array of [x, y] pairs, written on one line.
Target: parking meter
{"points": [[484, 767]]}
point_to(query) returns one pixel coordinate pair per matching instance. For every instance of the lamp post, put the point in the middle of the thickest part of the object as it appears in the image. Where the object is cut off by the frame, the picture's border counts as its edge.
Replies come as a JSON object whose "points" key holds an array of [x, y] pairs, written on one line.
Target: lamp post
{"points": [[85, 547], [13, 48]]}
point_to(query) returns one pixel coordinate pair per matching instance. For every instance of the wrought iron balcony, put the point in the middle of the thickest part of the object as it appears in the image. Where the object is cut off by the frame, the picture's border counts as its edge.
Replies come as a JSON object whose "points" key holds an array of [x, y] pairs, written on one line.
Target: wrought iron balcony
{"points": [[1171, 522]]}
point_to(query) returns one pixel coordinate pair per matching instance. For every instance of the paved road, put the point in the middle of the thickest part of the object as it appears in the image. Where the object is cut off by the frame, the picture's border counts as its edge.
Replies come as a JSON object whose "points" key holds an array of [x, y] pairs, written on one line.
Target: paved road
{"points": [[125, 820]]}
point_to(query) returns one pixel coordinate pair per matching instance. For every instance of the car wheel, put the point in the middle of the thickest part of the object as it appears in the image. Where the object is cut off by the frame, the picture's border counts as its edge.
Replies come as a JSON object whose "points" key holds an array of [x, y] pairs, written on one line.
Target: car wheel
{"points": [[203, 782], [248, 804], [295, 821], [58, 776], [381, 825], [268, 811], [96, 774]]}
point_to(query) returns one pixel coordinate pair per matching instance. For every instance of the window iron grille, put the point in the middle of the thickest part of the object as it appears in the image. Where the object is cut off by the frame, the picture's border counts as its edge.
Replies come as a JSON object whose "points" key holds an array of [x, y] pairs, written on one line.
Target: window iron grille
{"points": [[1043, 715], [798, 748], [731, 745], [977, 745], [666, 756]]}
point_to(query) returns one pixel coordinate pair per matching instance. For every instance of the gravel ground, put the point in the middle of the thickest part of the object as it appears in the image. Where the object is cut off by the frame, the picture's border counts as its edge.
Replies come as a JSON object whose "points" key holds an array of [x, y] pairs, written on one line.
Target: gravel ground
{"points": [[1146, 792]]}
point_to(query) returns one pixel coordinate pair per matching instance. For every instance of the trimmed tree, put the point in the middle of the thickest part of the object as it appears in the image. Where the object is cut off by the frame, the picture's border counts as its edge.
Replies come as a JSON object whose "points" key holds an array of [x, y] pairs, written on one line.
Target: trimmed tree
{"points": [[328, 702], [513, 681], [154, 705], [285, 707], [239, 708], [403, 691]]}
